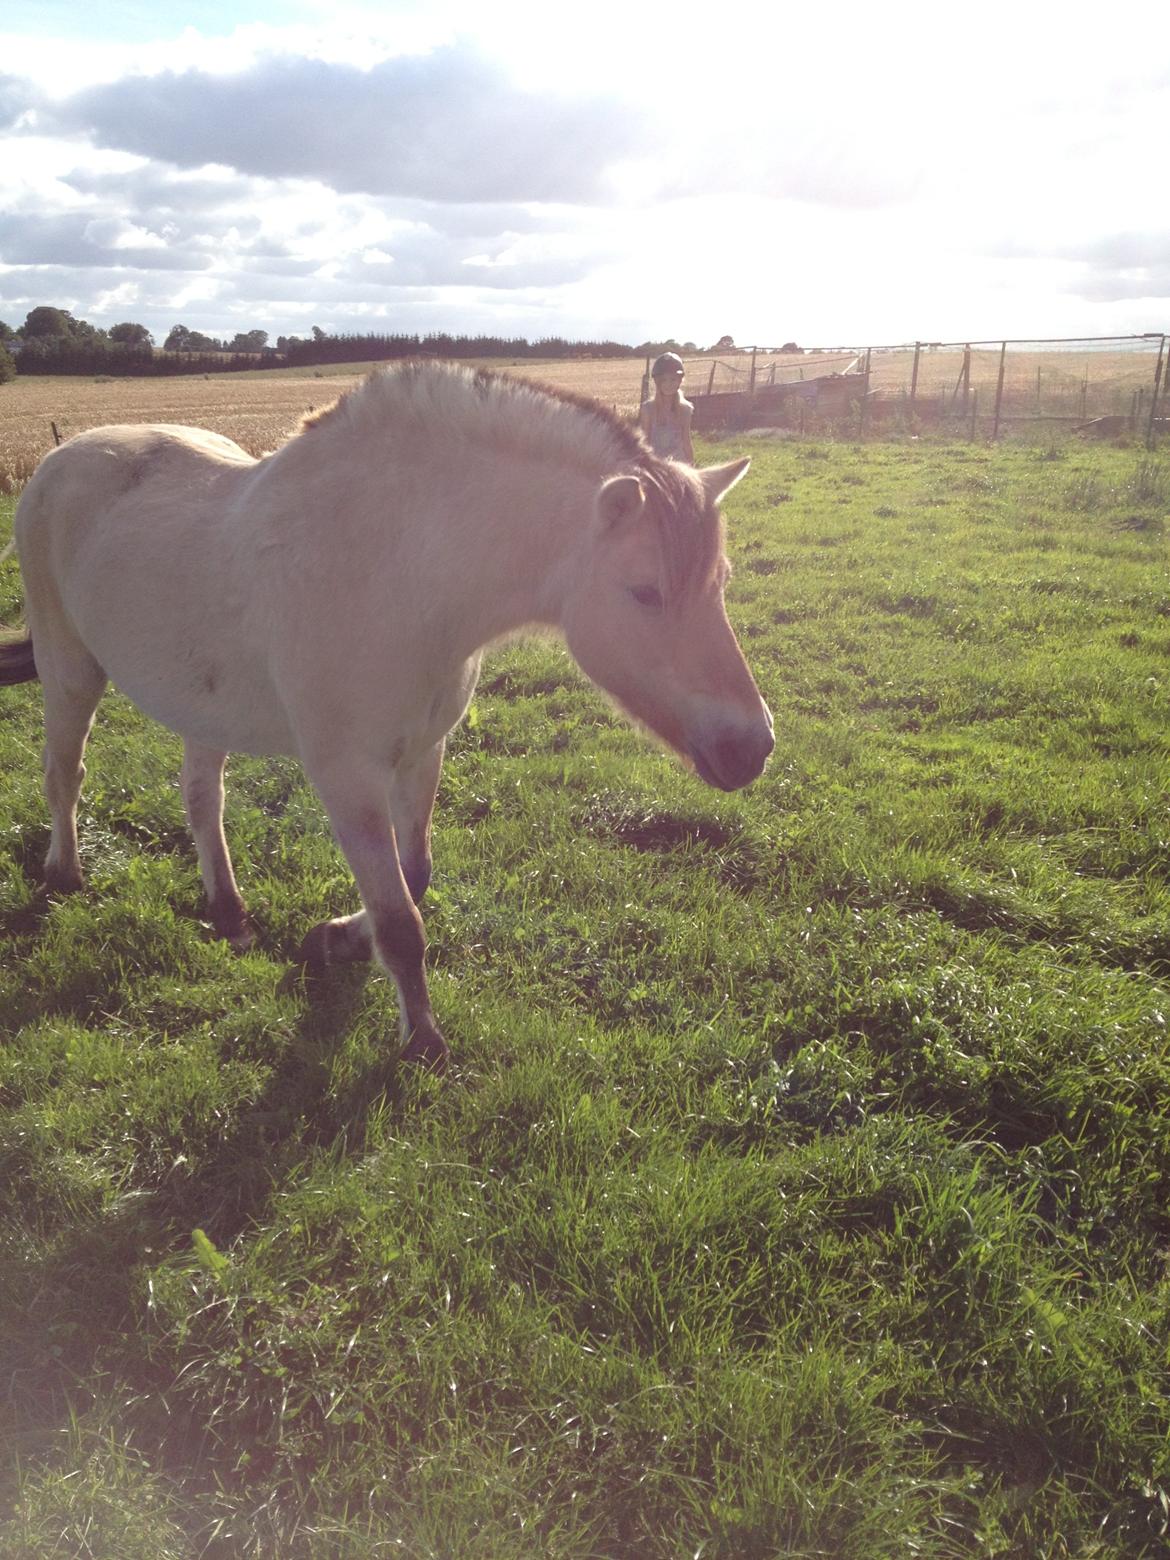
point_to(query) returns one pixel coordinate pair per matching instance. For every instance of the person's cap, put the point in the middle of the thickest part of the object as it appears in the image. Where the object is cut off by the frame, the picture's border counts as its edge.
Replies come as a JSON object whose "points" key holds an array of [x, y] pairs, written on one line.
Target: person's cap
{"points": [[668, 363]]}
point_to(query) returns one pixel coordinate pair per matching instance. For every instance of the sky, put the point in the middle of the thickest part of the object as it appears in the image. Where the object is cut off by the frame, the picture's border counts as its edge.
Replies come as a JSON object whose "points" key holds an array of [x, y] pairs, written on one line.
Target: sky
{"points": [[844, 174]]}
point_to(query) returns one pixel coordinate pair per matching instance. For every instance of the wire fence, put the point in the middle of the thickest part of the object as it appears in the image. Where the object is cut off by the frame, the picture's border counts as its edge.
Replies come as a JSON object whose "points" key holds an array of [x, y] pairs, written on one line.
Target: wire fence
{"points": [[1104, 384]]}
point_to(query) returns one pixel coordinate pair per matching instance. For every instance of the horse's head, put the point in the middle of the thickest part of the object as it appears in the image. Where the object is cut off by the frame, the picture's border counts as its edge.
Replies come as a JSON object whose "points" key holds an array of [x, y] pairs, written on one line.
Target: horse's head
{"points": [[645, 618]]}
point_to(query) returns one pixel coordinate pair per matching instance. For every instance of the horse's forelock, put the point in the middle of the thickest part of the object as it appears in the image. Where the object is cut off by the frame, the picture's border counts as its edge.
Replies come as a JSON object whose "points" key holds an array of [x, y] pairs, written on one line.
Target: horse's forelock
{"points": [[689, 529]]}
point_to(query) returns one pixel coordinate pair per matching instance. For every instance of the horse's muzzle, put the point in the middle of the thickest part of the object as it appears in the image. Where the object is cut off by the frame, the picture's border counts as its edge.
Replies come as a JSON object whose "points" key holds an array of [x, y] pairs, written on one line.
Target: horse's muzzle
{"points": [[733, 759]]}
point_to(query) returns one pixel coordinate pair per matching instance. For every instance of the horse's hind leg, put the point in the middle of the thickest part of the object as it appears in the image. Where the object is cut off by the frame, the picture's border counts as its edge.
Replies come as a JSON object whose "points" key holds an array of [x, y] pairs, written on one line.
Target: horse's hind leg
{"points": [[72, 688], [201, 781]]}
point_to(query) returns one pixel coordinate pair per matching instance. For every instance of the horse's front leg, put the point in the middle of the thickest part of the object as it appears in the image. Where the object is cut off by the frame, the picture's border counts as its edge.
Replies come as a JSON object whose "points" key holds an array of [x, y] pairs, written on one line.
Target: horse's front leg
{"points": [[348, 939], [412, 801], [358, 806]]}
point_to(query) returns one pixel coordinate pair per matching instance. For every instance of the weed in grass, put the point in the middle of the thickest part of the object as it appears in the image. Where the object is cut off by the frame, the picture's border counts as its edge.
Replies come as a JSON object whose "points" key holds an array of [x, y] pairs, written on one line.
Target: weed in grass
{"points": [[1149, 484]]}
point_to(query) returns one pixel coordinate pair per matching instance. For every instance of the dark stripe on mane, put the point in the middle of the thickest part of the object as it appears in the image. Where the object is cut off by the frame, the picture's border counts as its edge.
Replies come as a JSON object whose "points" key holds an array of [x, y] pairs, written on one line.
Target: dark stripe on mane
{"points": [[690, 532], [631, 444]]}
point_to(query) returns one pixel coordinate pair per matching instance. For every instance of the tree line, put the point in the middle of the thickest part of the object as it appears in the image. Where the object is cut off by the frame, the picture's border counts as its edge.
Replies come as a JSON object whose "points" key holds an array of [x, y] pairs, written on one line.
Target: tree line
{"points": [[52, 341]]}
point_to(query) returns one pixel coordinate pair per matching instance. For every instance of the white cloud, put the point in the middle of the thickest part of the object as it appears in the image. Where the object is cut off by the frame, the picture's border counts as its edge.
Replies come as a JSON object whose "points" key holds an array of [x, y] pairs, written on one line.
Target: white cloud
{"points": [[851, 173]]}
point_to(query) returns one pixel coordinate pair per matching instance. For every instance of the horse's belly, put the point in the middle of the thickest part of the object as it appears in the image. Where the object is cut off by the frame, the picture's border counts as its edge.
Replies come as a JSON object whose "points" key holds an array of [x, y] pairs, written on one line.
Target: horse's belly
{"points": [[177, 645], [220, 704]]}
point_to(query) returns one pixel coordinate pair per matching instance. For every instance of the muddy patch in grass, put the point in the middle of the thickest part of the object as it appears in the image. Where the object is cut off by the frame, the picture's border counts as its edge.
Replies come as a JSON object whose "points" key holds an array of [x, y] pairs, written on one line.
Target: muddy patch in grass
{"points": [[657, 831]]}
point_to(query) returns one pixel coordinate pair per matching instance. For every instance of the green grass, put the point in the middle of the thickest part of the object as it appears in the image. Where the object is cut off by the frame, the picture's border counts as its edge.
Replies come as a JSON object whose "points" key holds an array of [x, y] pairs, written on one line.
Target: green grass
{"points": [[802, 1183]]}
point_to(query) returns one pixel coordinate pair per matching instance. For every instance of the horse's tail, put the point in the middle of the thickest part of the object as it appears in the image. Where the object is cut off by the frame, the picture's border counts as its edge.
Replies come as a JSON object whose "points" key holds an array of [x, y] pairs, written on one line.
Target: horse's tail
{"points": [[16, 658]]}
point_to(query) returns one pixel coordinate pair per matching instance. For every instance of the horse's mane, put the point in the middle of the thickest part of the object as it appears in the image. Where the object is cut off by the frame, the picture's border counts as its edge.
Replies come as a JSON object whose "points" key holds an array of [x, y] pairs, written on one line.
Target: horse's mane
{"points": [[541, 422]]}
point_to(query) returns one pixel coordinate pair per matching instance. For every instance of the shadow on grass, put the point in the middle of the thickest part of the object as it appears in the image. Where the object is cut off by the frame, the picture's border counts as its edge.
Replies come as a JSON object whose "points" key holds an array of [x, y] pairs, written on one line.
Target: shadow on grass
{"points": [[657, 831], [981, 912], [300, 1110], [75, 1312], [28, 851]]}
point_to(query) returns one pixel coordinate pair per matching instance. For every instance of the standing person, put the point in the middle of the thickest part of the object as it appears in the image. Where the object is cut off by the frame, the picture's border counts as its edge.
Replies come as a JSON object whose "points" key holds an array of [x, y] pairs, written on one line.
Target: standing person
{"points": [[665, 419]]}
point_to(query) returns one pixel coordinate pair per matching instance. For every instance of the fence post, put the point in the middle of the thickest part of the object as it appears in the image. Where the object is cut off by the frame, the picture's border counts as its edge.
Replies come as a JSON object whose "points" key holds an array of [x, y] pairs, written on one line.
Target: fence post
{"points": [[711, 375], [914, 372], [1154, 397], [999, 390], [974, 406], [963, 383], [752, 379]]}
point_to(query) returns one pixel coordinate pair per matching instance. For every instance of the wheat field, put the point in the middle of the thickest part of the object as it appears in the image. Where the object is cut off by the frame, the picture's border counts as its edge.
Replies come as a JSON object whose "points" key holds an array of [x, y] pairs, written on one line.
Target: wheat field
{"points": [[256, 410]]}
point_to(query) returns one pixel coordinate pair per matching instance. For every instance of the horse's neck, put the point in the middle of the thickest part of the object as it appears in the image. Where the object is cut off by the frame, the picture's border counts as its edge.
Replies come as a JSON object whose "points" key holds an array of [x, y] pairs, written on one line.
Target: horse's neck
{"points": [[514, 541], [491, 528]]}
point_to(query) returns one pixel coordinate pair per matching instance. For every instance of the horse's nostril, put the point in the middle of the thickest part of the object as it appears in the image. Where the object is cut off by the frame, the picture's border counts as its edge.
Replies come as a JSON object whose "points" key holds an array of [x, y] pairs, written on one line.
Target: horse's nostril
{"points": [[736, 759]]}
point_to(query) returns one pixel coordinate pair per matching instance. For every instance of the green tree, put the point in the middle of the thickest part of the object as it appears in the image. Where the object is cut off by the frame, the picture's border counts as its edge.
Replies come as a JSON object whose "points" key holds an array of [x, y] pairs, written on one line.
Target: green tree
{"points": [[249, 341], [129, 334], [45, 321], [183, 340], [7, 364]]}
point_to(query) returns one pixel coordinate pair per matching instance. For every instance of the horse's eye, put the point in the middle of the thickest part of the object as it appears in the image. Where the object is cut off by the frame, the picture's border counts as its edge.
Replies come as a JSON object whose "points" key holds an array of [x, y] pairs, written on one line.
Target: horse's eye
{"points": [[647, 596]]}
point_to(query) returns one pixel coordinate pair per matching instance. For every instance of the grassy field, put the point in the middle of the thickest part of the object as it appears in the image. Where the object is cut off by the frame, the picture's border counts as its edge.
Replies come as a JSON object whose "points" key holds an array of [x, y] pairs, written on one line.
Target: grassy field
{"points": [[802, 1184]]}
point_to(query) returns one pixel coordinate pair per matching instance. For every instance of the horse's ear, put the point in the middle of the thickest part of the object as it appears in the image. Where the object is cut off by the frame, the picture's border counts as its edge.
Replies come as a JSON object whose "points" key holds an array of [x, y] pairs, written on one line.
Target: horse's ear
{"points": [[620, 501], [719, 480]]}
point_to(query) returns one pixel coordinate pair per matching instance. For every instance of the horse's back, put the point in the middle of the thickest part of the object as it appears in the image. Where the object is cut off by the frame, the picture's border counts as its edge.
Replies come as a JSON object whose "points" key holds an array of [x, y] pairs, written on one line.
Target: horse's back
{"points": [[96, 469], [111, 480]]}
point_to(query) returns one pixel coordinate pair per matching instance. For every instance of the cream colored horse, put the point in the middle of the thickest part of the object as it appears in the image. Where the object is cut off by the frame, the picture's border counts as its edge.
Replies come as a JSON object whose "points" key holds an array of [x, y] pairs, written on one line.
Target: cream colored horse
{"points": [[332, 601]]}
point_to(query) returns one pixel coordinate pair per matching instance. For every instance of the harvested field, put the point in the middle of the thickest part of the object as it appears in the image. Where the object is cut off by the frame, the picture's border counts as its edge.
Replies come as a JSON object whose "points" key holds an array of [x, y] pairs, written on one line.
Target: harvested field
{"points": [[1074, 382], [257, 410]]}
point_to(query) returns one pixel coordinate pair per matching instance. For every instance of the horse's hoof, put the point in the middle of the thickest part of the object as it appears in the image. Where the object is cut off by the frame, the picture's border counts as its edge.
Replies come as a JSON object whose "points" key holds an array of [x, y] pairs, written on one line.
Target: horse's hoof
{"points": [[235, 926], [426, 1048], [335, 942], [314, 948], [243, 937], [63, 880]]}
